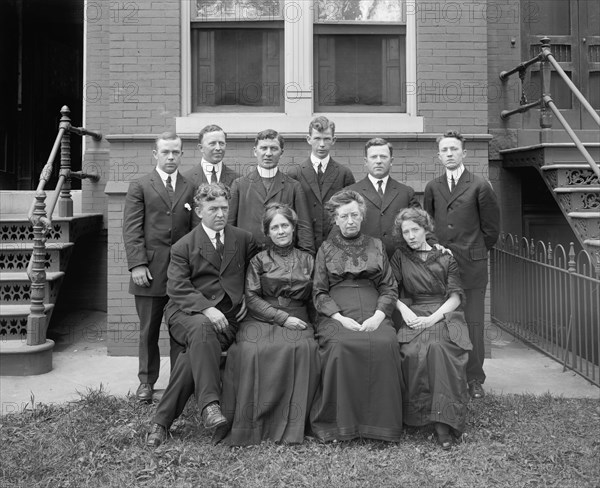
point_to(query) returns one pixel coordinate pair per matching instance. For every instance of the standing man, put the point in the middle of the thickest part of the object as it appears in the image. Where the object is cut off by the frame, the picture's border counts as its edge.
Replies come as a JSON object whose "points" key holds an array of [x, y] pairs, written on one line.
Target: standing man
{"points": [[384, 196], [321, 176], [250, 194], [212, 142], [467, 220], [206, 290], [157, 214]]}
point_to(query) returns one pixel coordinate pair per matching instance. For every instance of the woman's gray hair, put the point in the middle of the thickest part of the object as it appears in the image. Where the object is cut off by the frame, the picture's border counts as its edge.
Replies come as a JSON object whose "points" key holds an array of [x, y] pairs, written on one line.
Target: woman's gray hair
{"points": [[417, 215], [344, 197]]}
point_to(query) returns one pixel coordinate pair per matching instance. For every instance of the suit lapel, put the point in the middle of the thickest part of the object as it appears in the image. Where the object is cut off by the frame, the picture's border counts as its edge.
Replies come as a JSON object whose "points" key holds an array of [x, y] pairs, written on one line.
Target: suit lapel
{"points": [[180, 188], [227, 175], [368, 191], [391, 192], [159, 187], [276, 187], [331, 173], [462, 186], [311, 177], [230, 249]]}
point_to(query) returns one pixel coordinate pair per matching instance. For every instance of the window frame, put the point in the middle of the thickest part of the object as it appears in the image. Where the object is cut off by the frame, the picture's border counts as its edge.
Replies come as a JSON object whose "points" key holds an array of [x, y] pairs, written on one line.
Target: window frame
{"points": [[298, 81]]}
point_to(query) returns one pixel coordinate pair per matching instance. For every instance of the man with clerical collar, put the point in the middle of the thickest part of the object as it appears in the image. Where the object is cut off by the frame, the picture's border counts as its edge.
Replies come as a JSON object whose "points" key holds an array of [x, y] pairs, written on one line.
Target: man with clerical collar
{"points": [[467, 221], [320, 175], [212, 142], [384, 196], [251, 193]]}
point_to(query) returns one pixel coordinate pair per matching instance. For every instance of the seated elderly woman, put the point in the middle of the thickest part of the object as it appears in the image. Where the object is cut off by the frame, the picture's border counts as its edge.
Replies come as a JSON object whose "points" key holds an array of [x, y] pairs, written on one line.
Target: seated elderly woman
{"points": [[272, 370], [354, 294], [434, 338]]}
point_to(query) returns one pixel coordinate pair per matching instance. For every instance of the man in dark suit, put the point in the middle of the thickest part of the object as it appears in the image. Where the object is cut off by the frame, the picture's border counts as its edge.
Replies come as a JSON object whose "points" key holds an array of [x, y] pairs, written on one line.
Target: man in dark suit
{"points": [[212, 142], [250, 194], [321, 176], [206, 300], [384, 196], [467, 220], [158, 212]]}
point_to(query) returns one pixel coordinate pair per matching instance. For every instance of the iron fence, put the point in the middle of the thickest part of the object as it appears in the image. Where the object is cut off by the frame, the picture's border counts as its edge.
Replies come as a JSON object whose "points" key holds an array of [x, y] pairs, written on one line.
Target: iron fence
{"points": [[550, 298]]}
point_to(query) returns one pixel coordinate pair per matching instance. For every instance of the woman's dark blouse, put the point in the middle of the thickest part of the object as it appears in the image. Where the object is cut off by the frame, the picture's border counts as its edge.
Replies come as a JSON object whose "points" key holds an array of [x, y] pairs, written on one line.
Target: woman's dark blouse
{"points": [[358, 258], [277, 272]]}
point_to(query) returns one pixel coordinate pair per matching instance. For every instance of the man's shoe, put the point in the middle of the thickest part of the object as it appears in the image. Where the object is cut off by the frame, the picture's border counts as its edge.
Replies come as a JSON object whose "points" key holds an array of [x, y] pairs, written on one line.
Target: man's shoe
{"points": [[144, 393], [212, 416], [157, 436], [476, 390], [444, 437]]}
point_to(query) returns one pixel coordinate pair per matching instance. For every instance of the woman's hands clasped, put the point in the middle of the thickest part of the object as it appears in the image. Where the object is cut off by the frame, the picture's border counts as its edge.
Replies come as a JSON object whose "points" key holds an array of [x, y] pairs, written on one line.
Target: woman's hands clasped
{"points": [[369, 325]]}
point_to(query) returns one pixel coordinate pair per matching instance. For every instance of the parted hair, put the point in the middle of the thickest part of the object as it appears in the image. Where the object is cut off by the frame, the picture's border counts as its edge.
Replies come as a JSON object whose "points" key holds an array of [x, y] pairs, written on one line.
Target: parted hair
{"points": [[276, 208], [207, 192], [321, 124], [417, 215], [269, 134], [454, 134], [378, 141], [210, 128], [343, 197], [167, 136]]}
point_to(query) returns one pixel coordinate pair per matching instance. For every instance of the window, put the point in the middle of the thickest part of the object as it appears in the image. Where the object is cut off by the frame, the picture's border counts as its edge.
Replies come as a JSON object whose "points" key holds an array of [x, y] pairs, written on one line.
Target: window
{"points": [[287, 60], [359, 56]]}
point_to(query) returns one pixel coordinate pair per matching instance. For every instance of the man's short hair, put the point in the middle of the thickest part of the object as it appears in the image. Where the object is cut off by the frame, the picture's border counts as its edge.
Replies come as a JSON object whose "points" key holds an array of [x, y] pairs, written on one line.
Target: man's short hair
{"points": [[321, 124], [167, 136], [208, 192], [269, 134], [210, 128], [378, 141], [454, 134]]}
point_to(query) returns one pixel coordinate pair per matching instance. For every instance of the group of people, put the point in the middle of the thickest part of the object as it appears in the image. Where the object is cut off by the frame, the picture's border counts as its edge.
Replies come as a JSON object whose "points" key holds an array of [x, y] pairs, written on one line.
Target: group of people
{"points": [[345, 308]]}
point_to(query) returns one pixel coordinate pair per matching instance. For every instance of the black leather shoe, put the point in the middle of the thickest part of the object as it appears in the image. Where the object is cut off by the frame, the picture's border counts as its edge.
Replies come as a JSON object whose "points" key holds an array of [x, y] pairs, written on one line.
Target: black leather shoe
{"points": [[212, 416], [444, 437], [144, 392], [476, 390], [157, 436]]}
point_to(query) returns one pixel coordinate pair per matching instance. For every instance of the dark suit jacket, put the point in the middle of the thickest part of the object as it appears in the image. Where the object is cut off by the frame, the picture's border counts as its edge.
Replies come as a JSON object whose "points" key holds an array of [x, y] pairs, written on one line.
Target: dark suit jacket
{"points": [[249, 198], [379, 220], [199, 279], [467, 221], [151, 225], [336, 177], [196, 175]]}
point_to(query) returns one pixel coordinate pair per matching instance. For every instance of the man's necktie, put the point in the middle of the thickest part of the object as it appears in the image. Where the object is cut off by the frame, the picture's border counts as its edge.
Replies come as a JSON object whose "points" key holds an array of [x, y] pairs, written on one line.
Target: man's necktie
{"points": [[320, 174], [219, 245], [452, 184], [169, 187], [380, 188], [213, 176]]}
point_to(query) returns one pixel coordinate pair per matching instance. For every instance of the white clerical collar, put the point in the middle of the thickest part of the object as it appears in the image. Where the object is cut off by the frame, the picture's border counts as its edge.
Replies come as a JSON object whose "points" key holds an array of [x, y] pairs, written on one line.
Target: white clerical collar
{"points": [[164, 176], [375, 180], [315, 162], [266, 173], [455, 173]]}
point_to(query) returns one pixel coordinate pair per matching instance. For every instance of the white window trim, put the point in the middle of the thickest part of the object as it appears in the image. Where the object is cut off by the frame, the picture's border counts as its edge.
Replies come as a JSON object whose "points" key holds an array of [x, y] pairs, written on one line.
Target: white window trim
{"points": [[298, 108]]}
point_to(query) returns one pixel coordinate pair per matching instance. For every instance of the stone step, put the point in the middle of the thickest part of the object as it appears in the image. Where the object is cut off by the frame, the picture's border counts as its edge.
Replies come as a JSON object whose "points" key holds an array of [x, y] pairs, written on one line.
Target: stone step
{"points": [[15, 256], [13, 320], [16, 228], [15, 288]]}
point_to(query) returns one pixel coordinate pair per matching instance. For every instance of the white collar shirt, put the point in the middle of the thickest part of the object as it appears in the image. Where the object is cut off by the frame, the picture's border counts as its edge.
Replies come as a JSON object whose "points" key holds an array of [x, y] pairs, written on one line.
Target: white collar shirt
{"points": [[316, 161], [383, 185], [164, 176], [456, 174], [208, 167], [212, 235]]}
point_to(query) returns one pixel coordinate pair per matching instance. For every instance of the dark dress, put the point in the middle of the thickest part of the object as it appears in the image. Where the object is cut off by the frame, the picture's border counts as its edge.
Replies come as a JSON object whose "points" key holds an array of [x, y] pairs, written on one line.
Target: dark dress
{"points": [[434, 360], [272, 372], [360, 393]]}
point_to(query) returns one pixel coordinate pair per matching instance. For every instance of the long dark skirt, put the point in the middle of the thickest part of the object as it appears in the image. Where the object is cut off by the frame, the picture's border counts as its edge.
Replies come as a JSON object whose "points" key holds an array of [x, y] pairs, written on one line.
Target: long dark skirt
{"points": [[360, 393], [270, 379], [434, 367]]}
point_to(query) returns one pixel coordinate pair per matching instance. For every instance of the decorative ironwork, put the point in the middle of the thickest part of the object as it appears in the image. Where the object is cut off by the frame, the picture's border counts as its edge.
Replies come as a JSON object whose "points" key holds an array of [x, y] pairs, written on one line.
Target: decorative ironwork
{"points": [[590, 201], [549, 298], [18, 261], [16, 292], [581, 177], [16, 232], [14, 326]]}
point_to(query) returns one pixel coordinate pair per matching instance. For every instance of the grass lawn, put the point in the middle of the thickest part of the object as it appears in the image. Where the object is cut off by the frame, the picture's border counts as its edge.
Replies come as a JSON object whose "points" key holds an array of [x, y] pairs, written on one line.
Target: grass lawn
{"points": [[511, 440]]}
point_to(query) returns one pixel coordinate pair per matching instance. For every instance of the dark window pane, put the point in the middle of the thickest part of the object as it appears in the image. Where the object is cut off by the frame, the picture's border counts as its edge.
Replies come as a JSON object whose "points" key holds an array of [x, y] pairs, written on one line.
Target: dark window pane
{"points": [[237, 69], [359, 72], [547, 17], [594, 95]]}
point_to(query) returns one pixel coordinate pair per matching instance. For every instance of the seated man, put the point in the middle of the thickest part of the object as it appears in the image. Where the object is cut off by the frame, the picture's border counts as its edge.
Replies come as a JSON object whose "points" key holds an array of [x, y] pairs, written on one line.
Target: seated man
{"points": [[206, 289]]}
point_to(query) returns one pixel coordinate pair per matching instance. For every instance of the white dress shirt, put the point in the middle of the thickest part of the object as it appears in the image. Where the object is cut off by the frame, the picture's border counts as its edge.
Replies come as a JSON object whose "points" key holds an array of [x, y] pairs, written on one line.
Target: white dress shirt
{"points": [[164, 176], [456, 174], [383, 185]]}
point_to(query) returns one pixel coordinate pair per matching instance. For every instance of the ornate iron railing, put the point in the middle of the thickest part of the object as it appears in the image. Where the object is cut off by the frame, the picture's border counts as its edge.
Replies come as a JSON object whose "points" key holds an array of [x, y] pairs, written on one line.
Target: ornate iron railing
{"points": [[41, 218], [550, 298], [548, 107]]}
